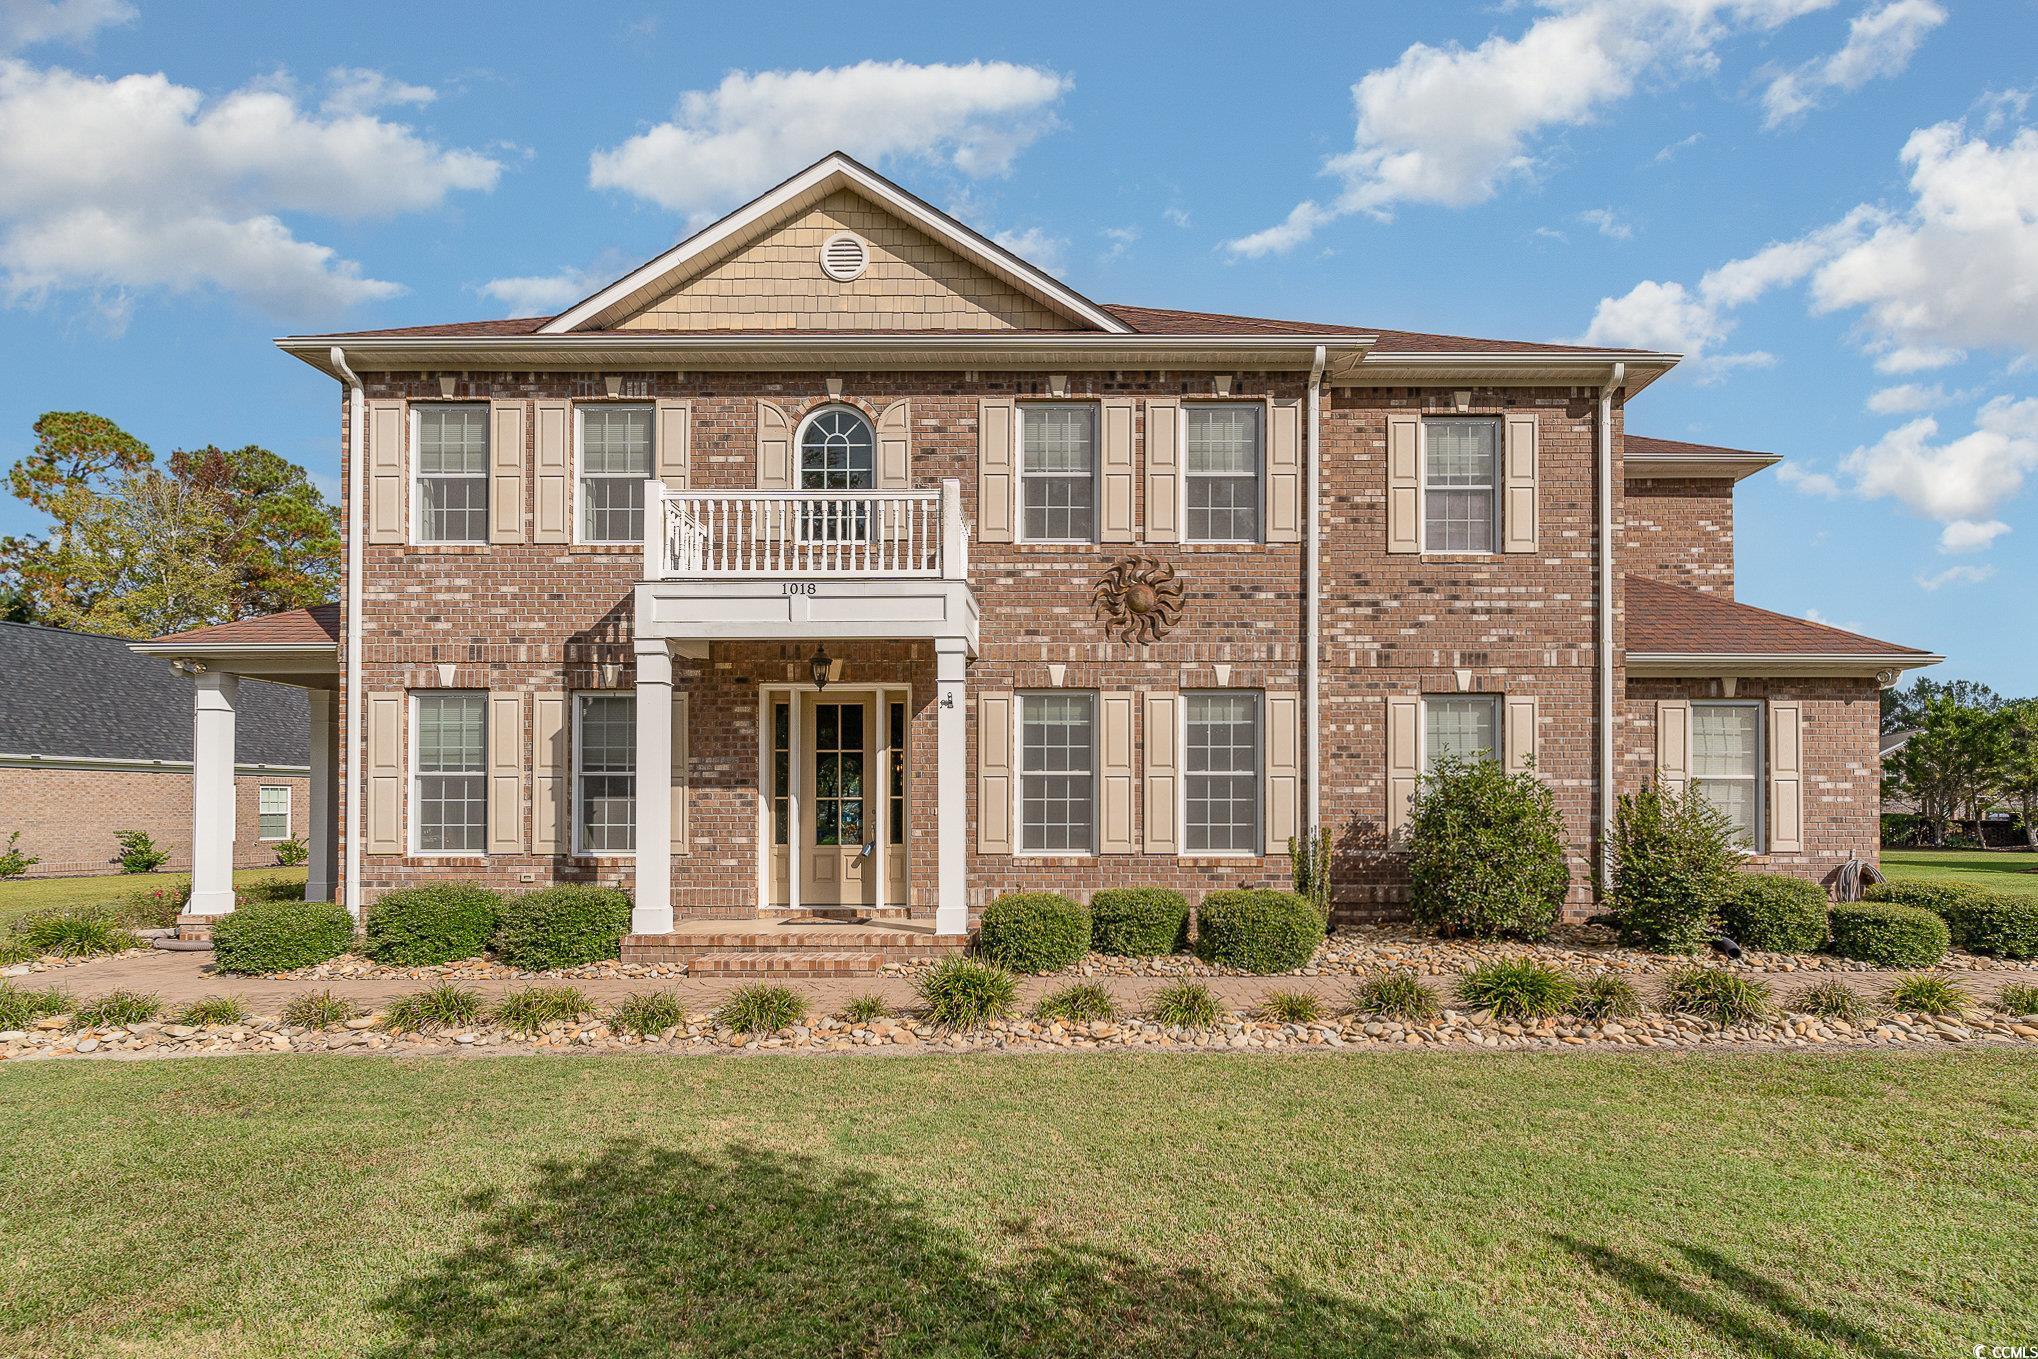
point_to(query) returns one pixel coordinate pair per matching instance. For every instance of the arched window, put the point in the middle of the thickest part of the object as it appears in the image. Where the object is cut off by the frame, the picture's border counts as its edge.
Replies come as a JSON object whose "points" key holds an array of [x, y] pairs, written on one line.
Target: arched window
{"points": [[837, 451]]}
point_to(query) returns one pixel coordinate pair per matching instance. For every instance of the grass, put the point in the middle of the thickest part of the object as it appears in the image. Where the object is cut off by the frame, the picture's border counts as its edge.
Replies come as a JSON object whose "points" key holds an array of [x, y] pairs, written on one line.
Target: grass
{"points": [[648, 1012], [1291, 1007], [1518, 988], [213, 1010], [1185, 1005], [1925, 994], [866, 1008], [25, 896], [1396, 995], [319, 1010], [1077, 1003], [762, 1008], [1717, 995], [73, 932], [1604, 996], [1597, 1205], [443, 1006], [1998, 870], [2018, 998], [1831, 1000], [965, 994], [21, 1006], [531, 1008], [115, 1009]]}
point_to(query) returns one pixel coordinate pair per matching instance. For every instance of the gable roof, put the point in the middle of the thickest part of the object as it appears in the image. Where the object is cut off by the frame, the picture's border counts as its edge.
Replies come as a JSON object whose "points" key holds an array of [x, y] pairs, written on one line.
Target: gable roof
{"points": [[1672, 621], [1646, 456], [78, 695], [315, 627]]}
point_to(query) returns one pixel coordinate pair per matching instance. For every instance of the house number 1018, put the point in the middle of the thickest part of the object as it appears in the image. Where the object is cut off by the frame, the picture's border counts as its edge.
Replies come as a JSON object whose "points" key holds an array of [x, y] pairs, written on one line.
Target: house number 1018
{"points": [[799, 587]]}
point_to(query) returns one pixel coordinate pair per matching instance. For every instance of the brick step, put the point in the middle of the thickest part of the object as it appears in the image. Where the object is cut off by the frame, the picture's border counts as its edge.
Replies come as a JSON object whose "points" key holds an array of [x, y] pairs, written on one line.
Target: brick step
{"points": [[748, 941], [705, 954], [820, 962]]}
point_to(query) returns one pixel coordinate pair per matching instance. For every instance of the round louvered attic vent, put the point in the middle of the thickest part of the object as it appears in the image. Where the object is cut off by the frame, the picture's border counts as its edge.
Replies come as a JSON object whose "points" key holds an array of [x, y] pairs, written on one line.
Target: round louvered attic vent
{"points": [[844, 256]]}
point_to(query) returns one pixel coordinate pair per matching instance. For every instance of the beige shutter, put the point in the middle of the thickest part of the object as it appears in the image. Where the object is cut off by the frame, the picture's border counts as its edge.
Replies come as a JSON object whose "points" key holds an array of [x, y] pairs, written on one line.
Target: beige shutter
{"points": [[994, 773], [1404, 758], [551, 776], [1404, 483], [505, 471], [1115, 765], [681, 775], [1163, 474], [895, 447], [552, 519], [673, 438], [384, 759], [1284, 471], [775, 471], [997, 470], [1284, 770], [1163, 774], [1117, 474], [1786, 776], [1518, 485], [505, 773], [1518, 733], [1673, 743], [386, 420]]}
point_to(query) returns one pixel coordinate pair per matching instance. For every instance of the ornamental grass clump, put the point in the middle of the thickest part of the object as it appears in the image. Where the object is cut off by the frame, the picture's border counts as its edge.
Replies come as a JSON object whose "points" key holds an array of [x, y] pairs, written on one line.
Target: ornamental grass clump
{"points": [[1605, 996], [425, 926], [1034, 931], [1926, 994], [444, 1006], [1185, 1005], [75, 932], [866, 1008], [213, 1010], [1518, 988], [964, 993], [761, 1008], [1080, 1003], [1831, 1000], [21, 1007], [1139, 922], [1775, 913], [319, 1010], [1258, 930], [1674, 866], [1395, 995], [1717, 996], [1291, 1007], [646, 1013], [117, 1009], [1485, 852], [535, 1007], [277, 936], [1889, 935], [557, 927], [2018, 998]]}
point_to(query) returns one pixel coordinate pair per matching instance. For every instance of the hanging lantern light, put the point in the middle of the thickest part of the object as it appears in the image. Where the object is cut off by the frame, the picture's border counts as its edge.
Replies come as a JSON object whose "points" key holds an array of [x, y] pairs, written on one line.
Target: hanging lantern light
{"points": [[821, 667]]}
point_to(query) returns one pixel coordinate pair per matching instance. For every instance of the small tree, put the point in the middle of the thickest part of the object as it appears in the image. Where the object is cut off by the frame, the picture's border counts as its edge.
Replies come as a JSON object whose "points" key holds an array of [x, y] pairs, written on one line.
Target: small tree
{"points": [[1309, 865], [291, 853], [13, 860], [1486, 852], [2020, 765], [1674, 865], [139, 852]]}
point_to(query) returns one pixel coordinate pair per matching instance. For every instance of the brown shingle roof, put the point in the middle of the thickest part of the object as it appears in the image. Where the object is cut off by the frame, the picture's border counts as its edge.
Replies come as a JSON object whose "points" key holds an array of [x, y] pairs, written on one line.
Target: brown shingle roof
{"points": [[1671, 620], [1649, 447], [318, 625]]}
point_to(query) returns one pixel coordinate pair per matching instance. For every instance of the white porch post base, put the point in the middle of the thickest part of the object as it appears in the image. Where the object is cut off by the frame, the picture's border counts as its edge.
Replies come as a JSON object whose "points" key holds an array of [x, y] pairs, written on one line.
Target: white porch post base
{"points": [[213, 694], [652, 910], [322, 864], [951, 903]]}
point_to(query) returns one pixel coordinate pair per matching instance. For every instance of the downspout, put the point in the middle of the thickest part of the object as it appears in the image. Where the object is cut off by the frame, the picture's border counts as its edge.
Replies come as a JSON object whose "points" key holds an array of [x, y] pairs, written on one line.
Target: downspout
{"points": [[350, 783], [1605, 612], [1311, 593]]}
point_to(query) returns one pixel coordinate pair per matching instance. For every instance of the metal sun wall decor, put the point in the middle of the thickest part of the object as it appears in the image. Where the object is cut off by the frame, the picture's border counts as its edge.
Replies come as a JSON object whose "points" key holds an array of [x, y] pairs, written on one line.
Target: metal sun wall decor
{"points": [[1139, 598]]}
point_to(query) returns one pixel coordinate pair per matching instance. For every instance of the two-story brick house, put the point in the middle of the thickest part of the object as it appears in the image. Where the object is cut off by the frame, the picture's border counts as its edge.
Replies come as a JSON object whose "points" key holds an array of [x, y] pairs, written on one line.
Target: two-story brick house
{"points": [[839, 558]]}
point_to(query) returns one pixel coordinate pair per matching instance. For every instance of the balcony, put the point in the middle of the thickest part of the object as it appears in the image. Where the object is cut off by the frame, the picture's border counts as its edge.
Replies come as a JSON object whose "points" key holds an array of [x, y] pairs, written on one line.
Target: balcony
{"points": [[778, 565]]}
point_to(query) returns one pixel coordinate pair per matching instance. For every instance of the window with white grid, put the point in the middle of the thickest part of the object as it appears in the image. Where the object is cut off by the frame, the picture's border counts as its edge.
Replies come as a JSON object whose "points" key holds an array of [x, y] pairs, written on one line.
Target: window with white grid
{"points": [[1058, 473], [450, 795], [1463, 726], [452, 474], [615, 462], [605, 773], [273, 811], [1222, 456], [1058, 772], [1726, 764], [1460, 485], [1223, 777]]}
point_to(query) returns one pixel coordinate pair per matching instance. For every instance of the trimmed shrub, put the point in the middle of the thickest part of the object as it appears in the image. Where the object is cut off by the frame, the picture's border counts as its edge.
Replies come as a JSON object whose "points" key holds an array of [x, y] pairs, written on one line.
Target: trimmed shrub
{"points": [[1259, 931], [1996, 924], [117, 1009], [1518, 988], [963, 993], [556, 927], [275, 936], [1291, 1007], [1937, 897], [648, 1012], [1486, 852], [424, 926], [139, 852], [1674, 866], [531, 1008], [1775, 913], [1139, 922], [1927, 995], [1889, 935], [1713, 993], [444, 1006], [20, 1007], [761, 1008], [1832, 1000], [865, 1008], [1395, 995], [319, 1010], [2018, 998], [1080, 1003], [213, 1010], [75, 932], [1605, 996], [1034, 931], [1185, 1005]]}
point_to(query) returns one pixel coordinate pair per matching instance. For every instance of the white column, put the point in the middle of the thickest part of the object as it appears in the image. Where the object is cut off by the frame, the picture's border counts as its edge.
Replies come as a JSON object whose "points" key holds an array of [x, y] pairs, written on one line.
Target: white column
{"points": [[212, 792], [653, 912], [323, 862], [951, 902]]}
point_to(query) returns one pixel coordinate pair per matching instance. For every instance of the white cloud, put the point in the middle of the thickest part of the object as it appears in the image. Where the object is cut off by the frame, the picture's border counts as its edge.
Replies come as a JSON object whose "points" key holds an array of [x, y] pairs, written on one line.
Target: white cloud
{"points": [[1814, 616], [1808, 481], [1671, 151], [1449, 126], [1175, 217], [1036, 247], [752, 129], [1956, 575], [356, 89], [542, 294], [1606, 223], [1121, 239], [1959, 479], [1898, 360], [23, 23], [1906, 398], [1880, 43], [140, 183], [1968, 535]]}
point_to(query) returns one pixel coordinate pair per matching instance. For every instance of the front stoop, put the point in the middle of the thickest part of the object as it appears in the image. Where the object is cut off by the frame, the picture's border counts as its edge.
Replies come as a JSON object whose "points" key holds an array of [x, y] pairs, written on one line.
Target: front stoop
{"points": [[195, 929], [783, 951]]}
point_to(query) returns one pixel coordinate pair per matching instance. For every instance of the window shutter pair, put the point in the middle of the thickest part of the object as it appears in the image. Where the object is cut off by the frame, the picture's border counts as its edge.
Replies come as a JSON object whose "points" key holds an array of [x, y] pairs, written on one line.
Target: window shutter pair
{"points": [[385, 472], [1518, 480], [998, 772], [552, 774], [506, 472]]}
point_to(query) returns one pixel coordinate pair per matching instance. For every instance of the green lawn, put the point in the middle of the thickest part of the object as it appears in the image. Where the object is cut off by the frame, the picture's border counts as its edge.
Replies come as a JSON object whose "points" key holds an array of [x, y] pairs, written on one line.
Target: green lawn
{"points": [[19, 896], [2000, 870], [1442, 1207]]}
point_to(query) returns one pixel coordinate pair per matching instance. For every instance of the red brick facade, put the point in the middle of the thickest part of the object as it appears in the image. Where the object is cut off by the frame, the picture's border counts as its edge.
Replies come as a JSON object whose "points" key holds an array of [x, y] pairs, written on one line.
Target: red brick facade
{"points": [[1680, 530], [71, 818]]}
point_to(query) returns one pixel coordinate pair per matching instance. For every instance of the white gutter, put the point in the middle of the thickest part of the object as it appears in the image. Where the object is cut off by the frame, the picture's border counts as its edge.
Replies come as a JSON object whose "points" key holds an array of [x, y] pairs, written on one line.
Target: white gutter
{"points": [[356, 506], [1312, 592], [1605, 613]]}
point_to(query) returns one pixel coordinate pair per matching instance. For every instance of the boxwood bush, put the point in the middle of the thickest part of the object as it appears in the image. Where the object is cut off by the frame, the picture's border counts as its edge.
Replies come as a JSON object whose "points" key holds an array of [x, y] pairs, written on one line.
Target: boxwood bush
{"points": [[1139, 922], [275, 936], [568, 926], [1034, 931], [1259, 930], [1674, 866], [1775, 912], [2000, 924], [1486, 852], [1887, 934], [420, 926]]}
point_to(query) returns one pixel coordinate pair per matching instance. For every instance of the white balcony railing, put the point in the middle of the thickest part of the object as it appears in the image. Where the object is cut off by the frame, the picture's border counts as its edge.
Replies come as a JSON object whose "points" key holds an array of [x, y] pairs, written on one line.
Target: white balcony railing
{"points": [[732, 535]]}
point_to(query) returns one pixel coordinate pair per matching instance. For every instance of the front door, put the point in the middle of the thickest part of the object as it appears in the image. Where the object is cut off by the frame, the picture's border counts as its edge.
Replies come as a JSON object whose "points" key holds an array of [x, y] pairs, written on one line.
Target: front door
{"points": [[838, 848]]}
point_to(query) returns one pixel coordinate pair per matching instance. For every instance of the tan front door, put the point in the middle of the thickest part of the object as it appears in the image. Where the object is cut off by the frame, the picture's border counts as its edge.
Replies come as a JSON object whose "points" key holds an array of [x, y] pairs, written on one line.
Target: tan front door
{"points": [[838, 845]]}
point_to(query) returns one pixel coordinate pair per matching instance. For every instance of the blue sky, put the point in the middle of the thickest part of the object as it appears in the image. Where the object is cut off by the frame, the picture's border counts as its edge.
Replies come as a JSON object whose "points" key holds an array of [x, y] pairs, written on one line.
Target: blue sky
{"points": [[1831, 204]]}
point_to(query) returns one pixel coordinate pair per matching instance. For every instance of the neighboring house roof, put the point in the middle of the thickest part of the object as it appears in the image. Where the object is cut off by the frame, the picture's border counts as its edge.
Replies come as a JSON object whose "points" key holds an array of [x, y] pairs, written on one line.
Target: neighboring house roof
{"points": [[1893, 741], [75, 695], [1670, 621], [1644, 456], [317, 626]]}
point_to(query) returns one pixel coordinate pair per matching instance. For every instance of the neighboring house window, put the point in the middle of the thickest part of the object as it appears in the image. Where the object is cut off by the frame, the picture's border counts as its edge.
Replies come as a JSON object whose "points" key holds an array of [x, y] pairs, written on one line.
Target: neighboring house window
{"points": [[605, 772], [1726, 764], [1058, 473], [452, 460], [838, 452], [1223, 785], [1464, 726], [615, 462], [273, 811], [450, 795], [1460, 485], [1058, 764], [1223, 456]]}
